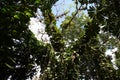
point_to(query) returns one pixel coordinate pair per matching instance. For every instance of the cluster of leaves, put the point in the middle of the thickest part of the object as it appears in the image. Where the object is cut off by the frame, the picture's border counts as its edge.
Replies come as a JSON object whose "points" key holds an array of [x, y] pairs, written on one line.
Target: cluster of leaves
{"points": [[83, 50], [19, 49], [105, 13], [77, 48]]}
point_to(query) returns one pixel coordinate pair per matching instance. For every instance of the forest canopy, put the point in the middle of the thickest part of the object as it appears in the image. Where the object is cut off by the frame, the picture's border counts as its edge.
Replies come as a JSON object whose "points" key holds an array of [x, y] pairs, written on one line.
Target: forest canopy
{"points": [[76, 50]]}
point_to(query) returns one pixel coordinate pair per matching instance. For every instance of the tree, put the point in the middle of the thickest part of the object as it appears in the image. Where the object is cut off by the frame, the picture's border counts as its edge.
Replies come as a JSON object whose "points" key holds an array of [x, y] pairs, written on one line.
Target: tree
{"points": [[94, 63], [19, 49], [76, 50], [105, 13]]}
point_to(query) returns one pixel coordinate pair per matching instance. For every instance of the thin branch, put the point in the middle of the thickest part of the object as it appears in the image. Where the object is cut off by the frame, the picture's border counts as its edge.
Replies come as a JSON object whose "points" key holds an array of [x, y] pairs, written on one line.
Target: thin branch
{"points": [[61, 15], [74, 15]]}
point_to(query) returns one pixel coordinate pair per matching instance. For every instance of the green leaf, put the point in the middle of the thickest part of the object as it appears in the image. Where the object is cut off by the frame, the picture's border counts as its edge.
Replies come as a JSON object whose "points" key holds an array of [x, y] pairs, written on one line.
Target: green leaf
{"points": [[9, 66], [12, 60], [16, 16], [37, 1], [28, 14]]}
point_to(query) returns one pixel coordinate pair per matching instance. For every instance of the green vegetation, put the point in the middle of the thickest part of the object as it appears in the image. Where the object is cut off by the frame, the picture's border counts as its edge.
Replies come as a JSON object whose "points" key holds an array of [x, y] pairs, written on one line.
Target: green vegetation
{"points": [[77, 48]]}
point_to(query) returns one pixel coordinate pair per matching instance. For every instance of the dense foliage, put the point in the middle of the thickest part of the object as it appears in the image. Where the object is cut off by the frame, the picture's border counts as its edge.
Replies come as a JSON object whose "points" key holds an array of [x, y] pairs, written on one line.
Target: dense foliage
{"points": [[19, 50], [76, 49]]}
